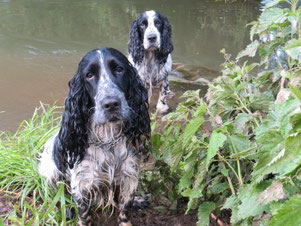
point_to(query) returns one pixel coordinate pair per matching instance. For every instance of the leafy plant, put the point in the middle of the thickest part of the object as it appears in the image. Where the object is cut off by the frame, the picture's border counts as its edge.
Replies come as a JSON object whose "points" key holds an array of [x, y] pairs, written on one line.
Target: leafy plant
{"points": [[240, 150], [37, 203]]}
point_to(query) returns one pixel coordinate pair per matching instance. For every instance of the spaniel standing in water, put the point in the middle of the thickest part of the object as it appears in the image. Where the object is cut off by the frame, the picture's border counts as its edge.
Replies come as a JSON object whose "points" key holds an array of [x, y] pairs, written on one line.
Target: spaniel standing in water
{"points": [[104, 130], [149, 49]]}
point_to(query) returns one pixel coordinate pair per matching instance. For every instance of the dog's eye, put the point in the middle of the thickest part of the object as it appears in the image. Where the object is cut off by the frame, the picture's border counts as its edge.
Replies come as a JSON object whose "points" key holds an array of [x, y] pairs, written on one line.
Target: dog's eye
{"points": [[157, 23], [90, 76], [119, 69], [144, 23]]}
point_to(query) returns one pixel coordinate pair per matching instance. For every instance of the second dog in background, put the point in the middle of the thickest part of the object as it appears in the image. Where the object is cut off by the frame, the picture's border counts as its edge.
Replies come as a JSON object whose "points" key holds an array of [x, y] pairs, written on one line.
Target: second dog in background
{"points": [[149, 47]]}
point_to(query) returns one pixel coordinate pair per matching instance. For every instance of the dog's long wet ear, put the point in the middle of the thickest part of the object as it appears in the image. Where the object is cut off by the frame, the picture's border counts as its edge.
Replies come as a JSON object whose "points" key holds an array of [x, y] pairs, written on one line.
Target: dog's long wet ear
{"points": [[137, 128], [135, 45], [166, 42], [71, 142]]}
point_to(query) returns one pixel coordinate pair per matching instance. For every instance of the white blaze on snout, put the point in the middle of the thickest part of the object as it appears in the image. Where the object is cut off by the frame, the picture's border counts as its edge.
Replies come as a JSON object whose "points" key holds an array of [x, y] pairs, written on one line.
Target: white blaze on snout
{"points": [[104, 79], [151, 30], [106, 88]]}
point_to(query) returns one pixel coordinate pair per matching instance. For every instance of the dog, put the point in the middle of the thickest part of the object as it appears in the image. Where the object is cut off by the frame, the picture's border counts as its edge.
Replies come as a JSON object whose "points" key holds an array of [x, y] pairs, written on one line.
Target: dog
{"points": [[149, 49], [103, 135]]}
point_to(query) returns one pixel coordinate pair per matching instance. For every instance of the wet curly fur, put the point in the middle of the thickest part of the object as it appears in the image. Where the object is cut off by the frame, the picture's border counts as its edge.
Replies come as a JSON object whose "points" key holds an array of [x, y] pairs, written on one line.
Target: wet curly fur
{"points": [[149, 48], [104, 130]]}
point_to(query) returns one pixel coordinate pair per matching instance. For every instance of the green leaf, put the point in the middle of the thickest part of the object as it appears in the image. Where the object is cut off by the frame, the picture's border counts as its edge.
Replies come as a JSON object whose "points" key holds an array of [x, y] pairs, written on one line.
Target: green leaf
{"points": [[191, 129], [172, 155], [273, 3], [156, 144], [264, 76], [275, 152], [253, 29], [240, 123], [296, 92], [240, 142], [249, 67], [250, 51], [274, 192], [192, 204], [270, 145], [279, 118], [204, 212], [196, 192], [189, 168], [270, 16], [218, 187], [262, 102], [278, 160], [55, 199], [225, 172], [1, 222], [246, 203], [293, 43], [292, 156], [293, 49], [275, 206], [231, 202], [216, 141], [296, 121], [289, 213]]}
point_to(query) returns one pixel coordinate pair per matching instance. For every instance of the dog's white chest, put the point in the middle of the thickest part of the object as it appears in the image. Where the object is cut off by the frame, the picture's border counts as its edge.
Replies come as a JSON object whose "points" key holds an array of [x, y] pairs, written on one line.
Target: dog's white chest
{"points": [[103, 169]]}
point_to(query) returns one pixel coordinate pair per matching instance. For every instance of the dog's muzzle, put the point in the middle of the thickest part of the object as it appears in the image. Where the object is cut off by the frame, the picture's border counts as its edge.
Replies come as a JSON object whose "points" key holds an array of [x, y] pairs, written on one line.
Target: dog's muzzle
{"points": [[112, 108]]}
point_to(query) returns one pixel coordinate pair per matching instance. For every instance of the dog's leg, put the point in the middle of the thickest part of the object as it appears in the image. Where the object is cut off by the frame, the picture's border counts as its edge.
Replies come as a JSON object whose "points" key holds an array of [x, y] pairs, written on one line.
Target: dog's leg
{"points": [[164, 92], [128, 185], [124, 215], [127, 188], [83, 199], [85, 217]]}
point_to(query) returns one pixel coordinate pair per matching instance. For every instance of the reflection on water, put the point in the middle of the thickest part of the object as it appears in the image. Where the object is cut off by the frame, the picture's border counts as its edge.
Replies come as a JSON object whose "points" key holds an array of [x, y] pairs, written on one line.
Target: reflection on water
{"points": [[42, 41]]}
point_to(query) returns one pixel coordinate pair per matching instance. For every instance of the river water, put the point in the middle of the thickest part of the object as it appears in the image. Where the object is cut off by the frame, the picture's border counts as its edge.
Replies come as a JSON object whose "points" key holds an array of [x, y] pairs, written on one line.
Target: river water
{"points": [[42, 41]]}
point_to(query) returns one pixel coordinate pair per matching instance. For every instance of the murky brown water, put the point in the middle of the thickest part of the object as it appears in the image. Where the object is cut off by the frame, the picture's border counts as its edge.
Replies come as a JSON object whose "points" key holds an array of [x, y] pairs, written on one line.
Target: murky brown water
{"points": [[42, 41]]}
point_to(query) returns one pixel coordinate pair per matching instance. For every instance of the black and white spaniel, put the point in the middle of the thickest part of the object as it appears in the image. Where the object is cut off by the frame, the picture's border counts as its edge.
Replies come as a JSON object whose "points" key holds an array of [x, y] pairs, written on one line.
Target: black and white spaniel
{"points": [[149, 47], [104, 131]]}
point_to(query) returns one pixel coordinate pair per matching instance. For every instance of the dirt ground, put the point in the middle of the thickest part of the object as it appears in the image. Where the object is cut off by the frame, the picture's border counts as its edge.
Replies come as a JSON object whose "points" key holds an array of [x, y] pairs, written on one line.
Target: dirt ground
{"points": [[139, 217], [148, 217], [144, 217], [7, 202]]}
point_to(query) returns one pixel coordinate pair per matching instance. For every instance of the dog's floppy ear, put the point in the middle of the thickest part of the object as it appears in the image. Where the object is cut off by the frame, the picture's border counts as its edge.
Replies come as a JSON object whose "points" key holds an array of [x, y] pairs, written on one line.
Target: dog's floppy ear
{"points": [[166, 43], [135, 45], [137, 128], [71, 142]]}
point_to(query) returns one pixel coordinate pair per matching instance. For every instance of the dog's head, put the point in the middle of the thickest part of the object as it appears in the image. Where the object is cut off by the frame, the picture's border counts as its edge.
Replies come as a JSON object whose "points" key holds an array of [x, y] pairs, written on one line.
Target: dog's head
{"points": [[105, 90], [150, 32]]}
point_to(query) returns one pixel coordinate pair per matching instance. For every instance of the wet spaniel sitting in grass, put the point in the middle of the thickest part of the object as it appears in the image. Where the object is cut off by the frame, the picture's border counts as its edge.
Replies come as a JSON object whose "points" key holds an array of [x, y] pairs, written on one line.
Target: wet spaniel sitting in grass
{"points": [[104, 130], [149, 47]]}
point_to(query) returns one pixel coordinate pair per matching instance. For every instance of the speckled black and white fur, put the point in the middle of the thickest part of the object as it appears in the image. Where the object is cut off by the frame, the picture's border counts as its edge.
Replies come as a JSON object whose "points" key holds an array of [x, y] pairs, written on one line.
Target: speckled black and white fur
{"points": [[103, 132], [150, 48]]}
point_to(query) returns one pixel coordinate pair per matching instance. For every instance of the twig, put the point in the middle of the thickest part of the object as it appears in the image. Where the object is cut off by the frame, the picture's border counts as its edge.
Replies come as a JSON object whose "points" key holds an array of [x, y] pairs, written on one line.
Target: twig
{"points": [[10, 192], [228, 178], [218, 221]]}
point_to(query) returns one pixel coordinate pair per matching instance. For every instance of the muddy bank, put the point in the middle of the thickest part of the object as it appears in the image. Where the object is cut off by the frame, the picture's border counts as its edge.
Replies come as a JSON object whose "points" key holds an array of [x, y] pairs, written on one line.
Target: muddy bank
{"points": [[185, 78]]}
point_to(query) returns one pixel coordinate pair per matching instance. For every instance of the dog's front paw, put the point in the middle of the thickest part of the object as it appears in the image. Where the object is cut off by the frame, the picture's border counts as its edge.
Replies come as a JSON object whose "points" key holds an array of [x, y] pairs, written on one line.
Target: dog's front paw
{"points": [[140, 203], [162, 108]]}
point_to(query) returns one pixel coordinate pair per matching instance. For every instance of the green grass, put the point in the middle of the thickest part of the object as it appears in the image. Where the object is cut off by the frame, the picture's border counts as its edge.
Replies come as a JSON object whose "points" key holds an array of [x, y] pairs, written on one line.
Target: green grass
{"points": [[38, 203]]}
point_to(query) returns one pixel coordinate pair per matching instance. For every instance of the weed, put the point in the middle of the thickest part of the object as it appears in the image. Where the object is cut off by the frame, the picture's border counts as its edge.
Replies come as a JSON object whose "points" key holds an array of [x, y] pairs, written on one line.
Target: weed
{"points": [[38, 204]]}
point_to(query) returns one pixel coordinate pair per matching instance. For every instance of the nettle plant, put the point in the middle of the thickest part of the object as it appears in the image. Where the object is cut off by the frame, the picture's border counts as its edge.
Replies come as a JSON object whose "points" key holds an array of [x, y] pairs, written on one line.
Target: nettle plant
{"points": [[276, 37], [240, 150]]}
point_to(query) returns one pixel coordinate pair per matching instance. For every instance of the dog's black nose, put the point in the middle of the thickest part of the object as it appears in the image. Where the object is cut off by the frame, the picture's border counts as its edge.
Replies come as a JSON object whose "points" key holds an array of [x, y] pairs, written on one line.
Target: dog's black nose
{"points": [[111, 104], [152, 38]]}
